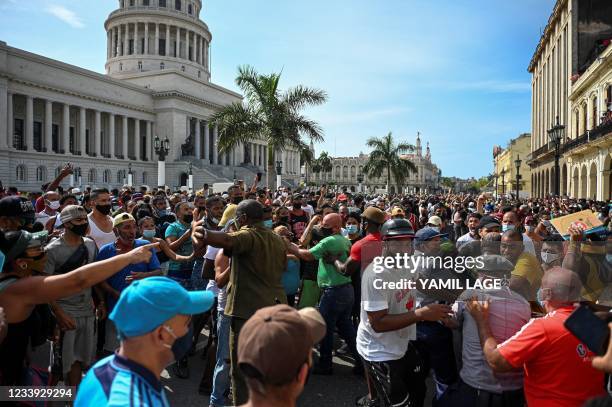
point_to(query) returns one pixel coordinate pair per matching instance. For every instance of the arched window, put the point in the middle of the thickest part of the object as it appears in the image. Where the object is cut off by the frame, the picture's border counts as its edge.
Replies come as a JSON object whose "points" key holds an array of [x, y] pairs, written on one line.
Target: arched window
{"points": [[145, 177], [140, 65], [345, 171], [106, 177], [162, 66], [58, 170], [121, 178], [20, 173], [92, 177], [190, 9], [177, 4], [162, 3], [41, 174], [121, 66], [353, 170]]}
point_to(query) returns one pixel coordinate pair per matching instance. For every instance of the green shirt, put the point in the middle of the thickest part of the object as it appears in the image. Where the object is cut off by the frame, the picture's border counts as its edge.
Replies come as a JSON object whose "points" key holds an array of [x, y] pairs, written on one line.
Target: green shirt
{"points": [[259, 259], [327, 275]]}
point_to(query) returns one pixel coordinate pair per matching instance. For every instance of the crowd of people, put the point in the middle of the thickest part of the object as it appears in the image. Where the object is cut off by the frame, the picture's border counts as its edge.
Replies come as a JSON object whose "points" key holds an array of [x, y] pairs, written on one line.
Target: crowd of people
{"points": [[115, 286]]}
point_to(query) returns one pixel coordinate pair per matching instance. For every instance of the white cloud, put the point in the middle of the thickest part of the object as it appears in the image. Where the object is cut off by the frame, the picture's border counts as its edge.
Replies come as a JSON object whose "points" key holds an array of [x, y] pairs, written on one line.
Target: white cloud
{"points": [[67, 16]]}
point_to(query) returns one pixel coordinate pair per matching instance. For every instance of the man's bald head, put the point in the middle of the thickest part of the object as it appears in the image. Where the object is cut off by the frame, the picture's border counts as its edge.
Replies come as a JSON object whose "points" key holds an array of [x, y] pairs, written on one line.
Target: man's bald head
{"points": [[512, 236], [251, 210], [560, 287], [332, 221]]}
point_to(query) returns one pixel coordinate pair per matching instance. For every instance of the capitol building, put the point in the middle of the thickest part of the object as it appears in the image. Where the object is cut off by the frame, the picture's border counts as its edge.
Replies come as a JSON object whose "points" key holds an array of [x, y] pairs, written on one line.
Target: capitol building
{"points": [[347, 172], [156, 87]]}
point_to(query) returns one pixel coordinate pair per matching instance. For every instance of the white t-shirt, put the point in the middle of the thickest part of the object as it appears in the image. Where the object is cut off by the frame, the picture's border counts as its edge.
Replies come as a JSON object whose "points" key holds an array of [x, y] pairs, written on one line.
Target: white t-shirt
{"points": [[308, 208], [384, 346], [211, 254], [528, 245], [465, 239]]}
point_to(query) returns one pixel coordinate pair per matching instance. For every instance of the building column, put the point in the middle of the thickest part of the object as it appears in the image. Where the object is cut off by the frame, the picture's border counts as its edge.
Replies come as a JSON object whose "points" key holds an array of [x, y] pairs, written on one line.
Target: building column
{"points": [[206, 154], [10, 120], [149, 142], [146, 36], [65, 128], [178, 41], [82, 123], [111, 135], [137, 49], [124, 139], [215, 145], [97, 133], [115, 41], [196, 48], [4, 134], [167, 50], [137, 148], [156, 45], [198, 153], [48, 146], [109, 43], [126, 46], [29, 125], [119, 40], [187, 45]]}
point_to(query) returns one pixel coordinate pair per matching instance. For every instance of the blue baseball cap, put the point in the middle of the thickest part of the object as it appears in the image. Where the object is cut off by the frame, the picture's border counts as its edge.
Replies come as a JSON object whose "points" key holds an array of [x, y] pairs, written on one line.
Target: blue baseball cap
{"points": [[427, 233], [148, 303]]}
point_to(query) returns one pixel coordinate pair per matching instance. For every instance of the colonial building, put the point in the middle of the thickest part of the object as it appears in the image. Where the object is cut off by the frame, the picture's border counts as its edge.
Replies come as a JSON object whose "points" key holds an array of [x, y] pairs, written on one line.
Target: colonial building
{"points": [[572, 81], [347, 172], [157, 85], [504, 175]]}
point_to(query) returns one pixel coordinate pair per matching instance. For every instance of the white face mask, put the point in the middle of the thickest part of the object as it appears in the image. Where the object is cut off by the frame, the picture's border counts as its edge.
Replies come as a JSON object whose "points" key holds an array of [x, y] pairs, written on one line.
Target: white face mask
{"points": [[54, 205], [548, 258], [529, 228]]}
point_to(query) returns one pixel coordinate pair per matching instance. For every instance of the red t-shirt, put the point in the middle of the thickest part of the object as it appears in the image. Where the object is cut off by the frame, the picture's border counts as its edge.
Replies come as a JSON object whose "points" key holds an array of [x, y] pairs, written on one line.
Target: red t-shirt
{"points": [[557, 365], [366, 249]]}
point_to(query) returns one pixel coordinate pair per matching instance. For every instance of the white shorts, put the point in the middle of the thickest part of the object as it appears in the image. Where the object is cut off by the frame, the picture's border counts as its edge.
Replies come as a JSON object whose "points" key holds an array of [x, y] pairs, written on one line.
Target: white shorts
{"points": [[79, 345]]}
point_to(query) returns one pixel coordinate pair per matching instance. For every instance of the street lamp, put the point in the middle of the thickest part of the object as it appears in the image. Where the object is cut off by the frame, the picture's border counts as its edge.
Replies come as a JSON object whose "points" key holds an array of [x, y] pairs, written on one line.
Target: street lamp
{"points": [[161, 149], [130, 175], [235, 177], [503, 174], [556, 134], [279, 169], [496, 186], [517, 163], [360, 180], [190, 179]]}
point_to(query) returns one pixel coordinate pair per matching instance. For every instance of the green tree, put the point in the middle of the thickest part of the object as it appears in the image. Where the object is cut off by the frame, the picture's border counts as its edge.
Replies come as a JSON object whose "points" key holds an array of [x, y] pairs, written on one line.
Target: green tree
{"points": [[447, 182], [385, 157], [269, 113]]}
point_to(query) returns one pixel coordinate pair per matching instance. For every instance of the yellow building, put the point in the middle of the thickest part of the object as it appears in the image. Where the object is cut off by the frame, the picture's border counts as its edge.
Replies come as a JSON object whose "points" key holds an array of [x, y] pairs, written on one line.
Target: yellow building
{"points": [[572, 85], [504, 175]]}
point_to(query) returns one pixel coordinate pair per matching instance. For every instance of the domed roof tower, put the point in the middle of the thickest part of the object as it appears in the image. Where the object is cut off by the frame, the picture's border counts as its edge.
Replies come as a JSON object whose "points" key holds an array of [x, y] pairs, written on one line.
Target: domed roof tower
{"points": [[145, 36]]}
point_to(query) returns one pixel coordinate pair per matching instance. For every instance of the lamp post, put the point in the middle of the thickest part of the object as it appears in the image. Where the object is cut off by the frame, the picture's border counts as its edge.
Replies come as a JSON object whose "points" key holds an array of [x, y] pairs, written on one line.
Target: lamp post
{"points": [[190, 178], [130, 179], [161, 149], [496, 186], [360, 180], [517, 163], [235, 177], [503, 174], [279, 169], [556, 134]]}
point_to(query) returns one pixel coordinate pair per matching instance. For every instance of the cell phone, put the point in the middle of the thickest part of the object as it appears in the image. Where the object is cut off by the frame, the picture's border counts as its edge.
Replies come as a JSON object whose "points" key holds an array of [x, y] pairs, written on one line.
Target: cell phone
{"points": [[258, 176], [589, 329]]}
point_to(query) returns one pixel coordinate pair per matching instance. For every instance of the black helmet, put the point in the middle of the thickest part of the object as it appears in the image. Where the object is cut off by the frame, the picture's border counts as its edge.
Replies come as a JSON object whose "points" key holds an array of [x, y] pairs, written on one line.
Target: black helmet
{"points": [[395, 228]]}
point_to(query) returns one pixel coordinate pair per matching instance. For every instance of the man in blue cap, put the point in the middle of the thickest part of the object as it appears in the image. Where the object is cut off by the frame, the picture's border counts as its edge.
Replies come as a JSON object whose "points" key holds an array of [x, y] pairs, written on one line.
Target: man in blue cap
{"points": [[152, 318]]}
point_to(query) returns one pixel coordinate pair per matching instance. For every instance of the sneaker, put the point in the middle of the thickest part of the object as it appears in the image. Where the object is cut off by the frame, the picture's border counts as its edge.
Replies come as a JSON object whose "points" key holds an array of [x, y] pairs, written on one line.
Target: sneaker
{"points": [[365, 401], [181, 369], [343, 350]]}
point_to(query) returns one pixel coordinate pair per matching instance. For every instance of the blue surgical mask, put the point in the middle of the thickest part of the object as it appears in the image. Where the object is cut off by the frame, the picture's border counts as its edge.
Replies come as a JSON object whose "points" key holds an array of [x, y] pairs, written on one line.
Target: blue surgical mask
{"points": [[148, 233], [506, 228], [352, 229], [268, 223]]}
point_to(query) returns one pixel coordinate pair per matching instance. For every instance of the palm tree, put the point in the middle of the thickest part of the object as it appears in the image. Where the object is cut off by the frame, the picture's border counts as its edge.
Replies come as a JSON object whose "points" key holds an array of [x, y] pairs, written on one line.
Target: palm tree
{"points": [[268, 113], [323, 163], [385, 155]]}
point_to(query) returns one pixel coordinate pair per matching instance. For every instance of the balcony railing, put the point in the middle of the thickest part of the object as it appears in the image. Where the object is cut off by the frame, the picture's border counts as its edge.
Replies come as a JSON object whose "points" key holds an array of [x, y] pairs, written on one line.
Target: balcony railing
{"points": [[602, 130]]}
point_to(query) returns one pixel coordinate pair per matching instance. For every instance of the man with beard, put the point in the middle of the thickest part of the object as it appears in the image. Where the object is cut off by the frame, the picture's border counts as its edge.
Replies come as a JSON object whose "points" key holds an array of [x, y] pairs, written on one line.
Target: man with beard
{"points": [[298, 217], [75, 314], [124, 226], [387, 329], [473, 222], [100, 223]]}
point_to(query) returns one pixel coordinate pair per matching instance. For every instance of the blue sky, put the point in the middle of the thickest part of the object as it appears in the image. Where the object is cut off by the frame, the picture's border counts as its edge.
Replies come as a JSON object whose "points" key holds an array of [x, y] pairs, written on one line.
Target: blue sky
{"points": [[455, 70]]}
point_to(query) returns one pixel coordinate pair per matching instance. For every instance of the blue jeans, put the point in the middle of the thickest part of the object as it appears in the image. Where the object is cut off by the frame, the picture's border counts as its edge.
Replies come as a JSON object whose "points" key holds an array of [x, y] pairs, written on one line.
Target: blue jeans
{"points": [[221, 377], [336, 306]]}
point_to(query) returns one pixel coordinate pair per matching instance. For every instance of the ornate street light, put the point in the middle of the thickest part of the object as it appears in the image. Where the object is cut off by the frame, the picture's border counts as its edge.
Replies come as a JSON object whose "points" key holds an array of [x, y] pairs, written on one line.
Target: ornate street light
{"points": [[130, 175], [279, 169], [517, 164], [190, 178], [556, 133], [503, 175], [162, 147]]}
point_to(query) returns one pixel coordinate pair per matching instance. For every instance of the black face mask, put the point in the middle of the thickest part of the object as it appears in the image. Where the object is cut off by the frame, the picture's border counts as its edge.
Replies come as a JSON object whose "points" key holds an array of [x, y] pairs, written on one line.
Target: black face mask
{"points": [[80, 230], [284, 218], [104, 209], [181, 345], [188, 218], [326, 232], [236, 200]]}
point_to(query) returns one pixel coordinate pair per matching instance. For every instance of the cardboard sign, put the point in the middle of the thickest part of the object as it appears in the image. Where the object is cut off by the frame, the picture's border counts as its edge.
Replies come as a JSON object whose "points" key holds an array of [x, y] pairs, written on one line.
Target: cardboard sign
{"points": [[586, 220]]}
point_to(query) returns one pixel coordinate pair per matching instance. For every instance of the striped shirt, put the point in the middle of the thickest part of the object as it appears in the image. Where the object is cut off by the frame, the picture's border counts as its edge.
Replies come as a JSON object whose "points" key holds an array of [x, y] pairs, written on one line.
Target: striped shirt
{"points": [[117, 381]]}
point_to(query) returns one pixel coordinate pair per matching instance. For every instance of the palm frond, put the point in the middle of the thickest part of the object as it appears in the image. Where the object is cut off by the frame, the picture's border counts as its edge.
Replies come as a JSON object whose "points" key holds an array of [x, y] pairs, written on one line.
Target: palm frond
{"points": [[300, 96]]}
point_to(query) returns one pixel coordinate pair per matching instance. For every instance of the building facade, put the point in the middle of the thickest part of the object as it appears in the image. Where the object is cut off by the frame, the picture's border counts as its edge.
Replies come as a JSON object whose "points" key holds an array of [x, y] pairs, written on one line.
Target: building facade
{"points": [[157, 84], [572, 81], [505, 171], [346, 172]]}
